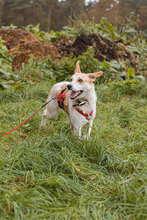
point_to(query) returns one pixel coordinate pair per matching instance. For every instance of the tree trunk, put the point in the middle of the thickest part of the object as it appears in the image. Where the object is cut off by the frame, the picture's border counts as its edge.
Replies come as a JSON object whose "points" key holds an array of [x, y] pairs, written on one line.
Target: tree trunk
{"points": [[1, 12], [71, 14], [49, 18]]}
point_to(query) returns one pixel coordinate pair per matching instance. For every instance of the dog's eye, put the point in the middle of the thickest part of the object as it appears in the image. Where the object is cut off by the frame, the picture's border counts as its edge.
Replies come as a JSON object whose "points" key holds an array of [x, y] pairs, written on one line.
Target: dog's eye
{"points": [[80, 80], [71, 80]]}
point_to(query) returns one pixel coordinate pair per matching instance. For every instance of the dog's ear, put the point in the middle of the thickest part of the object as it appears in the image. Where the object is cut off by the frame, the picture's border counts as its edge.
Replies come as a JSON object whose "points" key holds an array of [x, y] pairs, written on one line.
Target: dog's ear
{"points": [[93, 76], [77, 69]]}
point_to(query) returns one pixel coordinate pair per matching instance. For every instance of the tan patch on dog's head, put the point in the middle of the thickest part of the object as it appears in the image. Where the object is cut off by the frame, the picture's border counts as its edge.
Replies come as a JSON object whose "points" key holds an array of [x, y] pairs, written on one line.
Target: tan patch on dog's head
{"points": [[82, 77], [89, 78], [93, 76]]}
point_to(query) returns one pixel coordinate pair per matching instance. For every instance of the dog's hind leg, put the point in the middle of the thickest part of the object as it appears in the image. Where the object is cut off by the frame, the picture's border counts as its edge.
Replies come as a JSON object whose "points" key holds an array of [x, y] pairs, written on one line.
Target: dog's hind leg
{"points": [[43, 122], [51, 112]]}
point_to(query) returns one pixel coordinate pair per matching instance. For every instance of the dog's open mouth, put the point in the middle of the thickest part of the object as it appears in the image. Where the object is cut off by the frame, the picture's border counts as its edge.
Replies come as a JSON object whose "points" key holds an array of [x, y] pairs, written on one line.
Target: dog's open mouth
{"points": [[75, 94]]}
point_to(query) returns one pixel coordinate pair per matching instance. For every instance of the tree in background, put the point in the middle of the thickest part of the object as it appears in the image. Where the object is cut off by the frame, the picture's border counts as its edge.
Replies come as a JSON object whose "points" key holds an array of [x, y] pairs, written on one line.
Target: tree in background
{"points": [[143, 14], [54, 14], [69, 10], [119, 10], [104, 8], [51, 14], [19, 12], [139, 7], [1, 10]]}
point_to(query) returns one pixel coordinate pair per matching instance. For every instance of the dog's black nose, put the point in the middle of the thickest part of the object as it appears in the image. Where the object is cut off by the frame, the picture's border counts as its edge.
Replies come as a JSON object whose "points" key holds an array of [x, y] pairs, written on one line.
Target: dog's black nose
{"points": [[69, 86]]}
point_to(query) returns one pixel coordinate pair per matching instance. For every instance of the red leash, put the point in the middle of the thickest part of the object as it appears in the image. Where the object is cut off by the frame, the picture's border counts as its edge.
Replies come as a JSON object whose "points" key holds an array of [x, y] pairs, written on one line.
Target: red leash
{"points": [[27, 119]]}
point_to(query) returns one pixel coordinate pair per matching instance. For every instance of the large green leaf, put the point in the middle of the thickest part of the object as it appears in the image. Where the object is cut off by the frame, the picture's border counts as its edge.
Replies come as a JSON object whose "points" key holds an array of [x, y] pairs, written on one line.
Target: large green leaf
{"points": [[130, 73], [133, 49], [115, 64]]}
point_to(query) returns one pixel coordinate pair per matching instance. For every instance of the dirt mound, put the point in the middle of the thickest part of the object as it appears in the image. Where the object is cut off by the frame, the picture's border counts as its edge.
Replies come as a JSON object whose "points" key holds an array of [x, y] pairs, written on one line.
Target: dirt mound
{"points": [[104, 48], [22, 44], [37, 48], [13, 37], [63, 46]]}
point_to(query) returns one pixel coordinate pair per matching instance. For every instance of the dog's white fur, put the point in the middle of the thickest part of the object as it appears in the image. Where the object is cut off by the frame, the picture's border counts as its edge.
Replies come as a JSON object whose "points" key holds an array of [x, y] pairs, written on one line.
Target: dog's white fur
{"points": [[85, 101]]}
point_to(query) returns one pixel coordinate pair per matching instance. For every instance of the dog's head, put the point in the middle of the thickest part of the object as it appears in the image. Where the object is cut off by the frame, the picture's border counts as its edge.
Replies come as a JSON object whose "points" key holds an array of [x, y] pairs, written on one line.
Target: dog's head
{"points": [[81, 83]]}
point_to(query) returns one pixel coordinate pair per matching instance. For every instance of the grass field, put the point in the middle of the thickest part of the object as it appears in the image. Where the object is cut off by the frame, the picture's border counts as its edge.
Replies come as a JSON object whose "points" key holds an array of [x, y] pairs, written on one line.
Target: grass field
{"points": [[49, 174]]}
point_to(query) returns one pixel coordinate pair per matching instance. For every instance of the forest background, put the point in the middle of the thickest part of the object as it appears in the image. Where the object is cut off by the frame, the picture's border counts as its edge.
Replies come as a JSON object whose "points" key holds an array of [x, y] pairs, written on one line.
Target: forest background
{"points": [[54, 14]]}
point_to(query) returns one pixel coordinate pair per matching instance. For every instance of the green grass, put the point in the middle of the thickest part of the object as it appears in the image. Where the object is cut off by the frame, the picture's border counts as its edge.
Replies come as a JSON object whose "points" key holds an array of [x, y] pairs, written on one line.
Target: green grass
{"points": [[51, 174]]}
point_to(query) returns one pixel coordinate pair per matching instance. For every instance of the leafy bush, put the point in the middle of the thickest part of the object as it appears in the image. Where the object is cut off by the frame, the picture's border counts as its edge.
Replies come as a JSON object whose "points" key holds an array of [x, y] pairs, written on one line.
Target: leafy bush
{"points": [[5, 60], [11, 26], [128, 29], [47, 68], [114, 73], [36, 31], [52, 36], [131, 85], [7, 79], [104, 28]]}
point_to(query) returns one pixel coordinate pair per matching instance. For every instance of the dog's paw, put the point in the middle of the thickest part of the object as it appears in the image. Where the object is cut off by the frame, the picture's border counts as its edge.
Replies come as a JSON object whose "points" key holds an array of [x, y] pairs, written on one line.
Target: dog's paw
{"points": [[42, 127], [85, 137]]}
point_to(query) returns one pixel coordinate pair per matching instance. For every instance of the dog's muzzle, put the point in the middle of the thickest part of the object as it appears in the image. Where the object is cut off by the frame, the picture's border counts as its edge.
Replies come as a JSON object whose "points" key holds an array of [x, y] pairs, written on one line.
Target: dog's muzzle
{"points": [[74, 94]]}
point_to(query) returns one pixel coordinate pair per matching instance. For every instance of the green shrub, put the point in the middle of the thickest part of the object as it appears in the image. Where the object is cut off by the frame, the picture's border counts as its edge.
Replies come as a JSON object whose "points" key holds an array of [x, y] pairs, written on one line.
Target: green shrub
{"points": [[130, 85], [7, 79]]}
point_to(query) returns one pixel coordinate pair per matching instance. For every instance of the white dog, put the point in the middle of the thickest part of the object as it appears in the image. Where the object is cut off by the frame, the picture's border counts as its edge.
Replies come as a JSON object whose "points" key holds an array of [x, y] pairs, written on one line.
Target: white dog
{"points": [[77, 98]]}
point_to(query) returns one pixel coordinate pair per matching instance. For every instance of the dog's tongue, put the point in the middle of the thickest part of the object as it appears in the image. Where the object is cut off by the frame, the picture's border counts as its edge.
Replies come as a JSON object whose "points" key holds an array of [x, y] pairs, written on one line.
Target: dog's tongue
{"points": [[74, 94]]}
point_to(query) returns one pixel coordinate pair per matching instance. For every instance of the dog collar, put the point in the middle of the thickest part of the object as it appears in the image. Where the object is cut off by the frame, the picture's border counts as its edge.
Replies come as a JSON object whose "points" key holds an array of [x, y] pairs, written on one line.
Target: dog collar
{"points": [[80, 103], [85, 114]]}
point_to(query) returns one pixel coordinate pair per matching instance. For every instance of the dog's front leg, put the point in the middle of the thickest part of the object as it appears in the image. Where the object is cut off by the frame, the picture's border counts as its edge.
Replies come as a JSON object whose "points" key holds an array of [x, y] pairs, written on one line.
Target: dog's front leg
{"points": [[89, 126], [77, 131]]}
